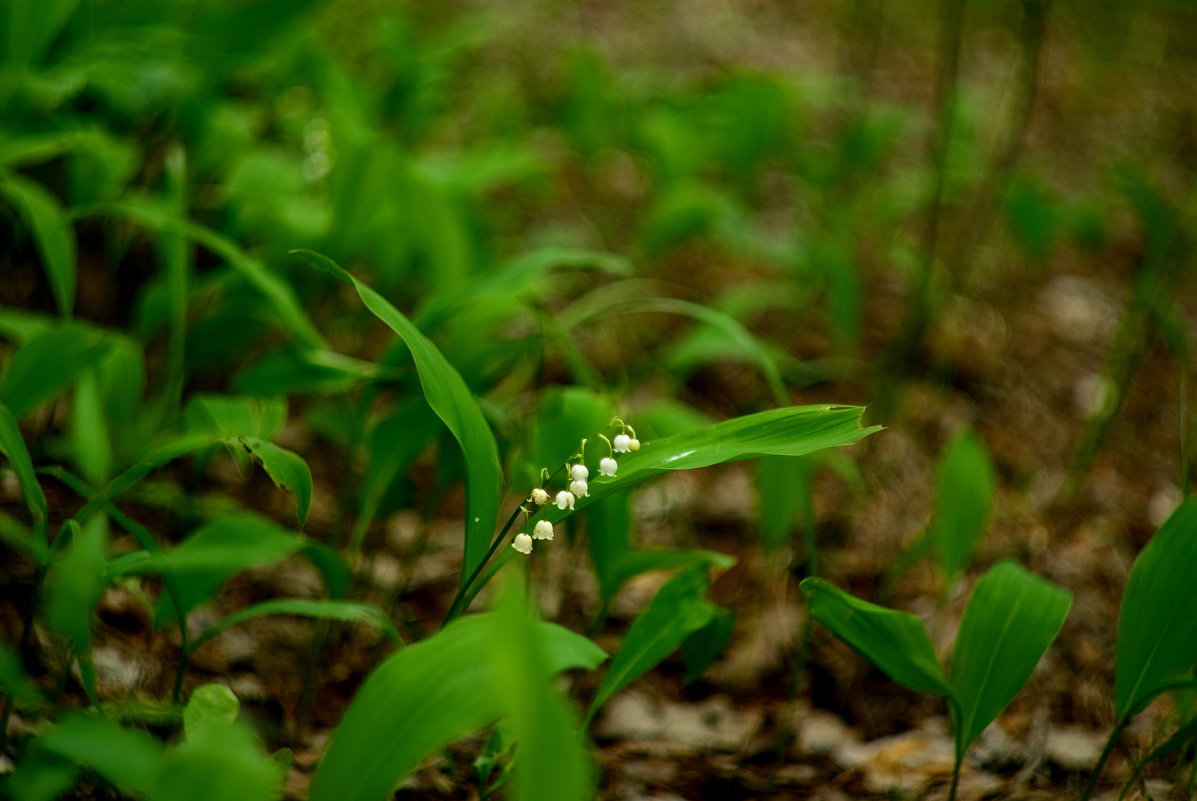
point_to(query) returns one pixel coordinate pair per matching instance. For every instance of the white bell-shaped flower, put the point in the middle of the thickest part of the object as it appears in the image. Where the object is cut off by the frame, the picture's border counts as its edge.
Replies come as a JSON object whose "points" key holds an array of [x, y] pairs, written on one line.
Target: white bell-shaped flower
{"points": [[579, 472], [579, 488], [543, 530], [522, 543], [539, 497], [621, 443], [565, 499], [608, 466]]}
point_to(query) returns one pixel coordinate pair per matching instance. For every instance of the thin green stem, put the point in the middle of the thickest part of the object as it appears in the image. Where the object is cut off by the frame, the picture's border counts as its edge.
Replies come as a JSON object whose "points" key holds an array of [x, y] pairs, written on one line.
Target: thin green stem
{"points": [[1113, 739]]}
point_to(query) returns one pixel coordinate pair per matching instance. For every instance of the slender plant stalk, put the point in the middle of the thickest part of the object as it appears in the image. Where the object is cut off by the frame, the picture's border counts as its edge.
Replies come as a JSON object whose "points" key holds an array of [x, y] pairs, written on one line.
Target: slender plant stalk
{"points": [[921, 294], [1113, 739], [980, 211]]}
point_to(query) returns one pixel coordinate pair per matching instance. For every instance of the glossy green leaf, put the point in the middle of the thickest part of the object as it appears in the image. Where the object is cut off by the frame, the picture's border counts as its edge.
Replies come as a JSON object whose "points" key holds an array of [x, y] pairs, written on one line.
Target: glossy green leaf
{"points": [[792, 431], [1011, 619], [679, 609], [421, 698], [12, 445], [1157, 624], [346, 611], [452, 401], [43, 367], [964, 501], [130, 759], [209, 703], [287, 470], [52, 232], [551, 762], [893, 640]]}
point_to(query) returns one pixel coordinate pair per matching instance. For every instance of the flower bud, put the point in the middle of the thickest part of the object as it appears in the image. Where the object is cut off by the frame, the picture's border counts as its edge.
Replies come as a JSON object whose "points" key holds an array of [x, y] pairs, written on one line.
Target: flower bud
{"points": [[543, 530], [608, 466], [522, 543], [565, 499], [633, 444]]}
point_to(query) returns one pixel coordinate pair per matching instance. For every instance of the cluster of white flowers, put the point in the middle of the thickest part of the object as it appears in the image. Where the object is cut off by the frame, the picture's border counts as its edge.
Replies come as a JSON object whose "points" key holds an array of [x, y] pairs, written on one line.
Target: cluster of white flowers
{"points": [[579, 487]]}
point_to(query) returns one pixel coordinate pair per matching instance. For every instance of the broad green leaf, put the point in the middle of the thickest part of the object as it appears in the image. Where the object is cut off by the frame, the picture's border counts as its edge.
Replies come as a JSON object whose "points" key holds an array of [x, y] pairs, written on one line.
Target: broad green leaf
{"points": [[892, 640], [43, 367], [219, 760], [421, 698], [209, 703], [130, 759], [964, 500], [700, 648], [792, 431], [287, 470], [551, 762], [230, 415], [273, 288], [1011, 619], [452, 401], [1157, 625], [52, 232], [679, 609], [347, 611], [12, 445]]}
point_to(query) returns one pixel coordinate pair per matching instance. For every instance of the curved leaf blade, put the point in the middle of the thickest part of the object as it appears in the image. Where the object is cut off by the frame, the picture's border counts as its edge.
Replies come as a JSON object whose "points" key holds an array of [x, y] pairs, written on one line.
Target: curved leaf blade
{"points": [[448, 395], [792, 431], [345, 611], [679, 609], [287, 470], [1008, 624], [893, 640], [551, 763], [1157, 625], [964, 500], [421, 698]]}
